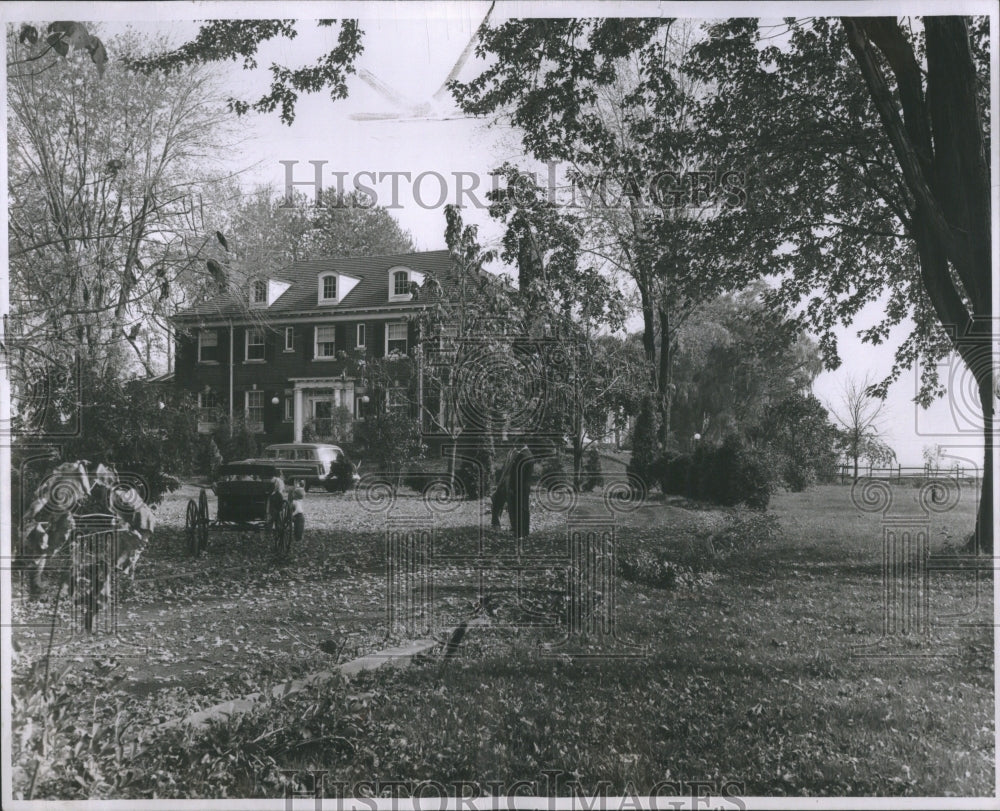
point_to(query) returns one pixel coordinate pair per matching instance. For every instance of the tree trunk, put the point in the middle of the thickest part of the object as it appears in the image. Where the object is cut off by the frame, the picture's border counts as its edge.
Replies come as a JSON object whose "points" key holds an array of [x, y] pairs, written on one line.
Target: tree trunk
{"points": [[982, 539], [577, 462], [855, 468]]}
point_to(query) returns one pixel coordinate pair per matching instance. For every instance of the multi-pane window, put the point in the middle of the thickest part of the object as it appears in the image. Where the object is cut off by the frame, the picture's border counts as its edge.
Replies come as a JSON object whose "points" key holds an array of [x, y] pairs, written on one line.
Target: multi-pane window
{"points": [[361, 336], [395, 339], [400, 283], [208, 346], [255, 344], [255, 407], [259, 293], [325, 342], [329, 287], [289, 409], [289, 339], [207, 403]]}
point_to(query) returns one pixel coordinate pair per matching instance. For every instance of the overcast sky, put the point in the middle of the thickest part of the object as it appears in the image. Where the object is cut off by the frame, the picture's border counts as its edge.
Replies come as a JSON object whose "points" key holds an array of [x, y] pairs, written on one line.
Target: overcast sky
{"points": [[411, 48]]}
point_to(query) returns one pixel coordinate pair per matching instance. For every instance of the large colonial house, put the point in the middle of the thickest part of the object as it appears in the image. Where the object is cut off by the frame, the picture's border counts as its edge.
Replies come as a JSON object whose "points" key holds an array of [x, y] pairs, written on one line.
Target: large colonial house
{"points": [[291, 347]]}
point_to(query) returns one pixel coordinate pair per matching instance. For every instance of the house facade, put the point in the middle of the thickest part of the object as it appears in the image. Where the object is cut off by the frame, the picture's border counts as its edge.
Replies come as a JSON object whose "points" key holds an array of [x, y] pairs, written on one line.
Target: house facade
{"points": [[294, 346]]}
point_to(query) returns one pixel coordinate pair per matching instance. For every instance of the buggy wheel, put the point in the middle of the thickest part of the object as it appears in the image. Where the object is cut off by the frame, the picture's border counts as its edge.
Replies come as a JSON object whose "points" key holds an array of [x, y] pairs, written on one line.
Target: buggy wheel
{"points": [[202, 520], [282, 531], [191, 527]]}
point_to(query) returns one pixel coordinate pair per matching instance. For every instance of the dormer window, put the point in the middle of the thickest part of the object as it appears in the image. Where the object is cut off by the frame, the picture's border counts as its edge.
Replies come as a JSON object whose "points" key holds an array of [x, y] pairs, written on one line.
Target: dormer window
{"points": [[401, 281], [333, 287], [329, 287], [258, 292]]}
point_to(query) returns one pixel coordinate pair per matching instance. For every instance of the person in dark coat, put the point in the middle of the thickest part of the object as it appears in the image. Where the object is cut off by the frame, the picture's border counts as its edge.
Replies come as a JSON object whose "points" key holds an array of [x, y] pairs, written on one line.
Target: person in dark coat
{"points": [[514, 491]]}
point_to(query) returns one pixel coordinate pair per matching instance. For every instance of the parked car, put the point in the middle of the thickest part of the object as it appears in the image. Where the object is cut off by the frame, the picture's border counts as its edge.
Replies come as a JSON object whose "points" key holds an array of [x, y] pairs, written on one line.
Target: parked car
{"points": [[314, 464]]}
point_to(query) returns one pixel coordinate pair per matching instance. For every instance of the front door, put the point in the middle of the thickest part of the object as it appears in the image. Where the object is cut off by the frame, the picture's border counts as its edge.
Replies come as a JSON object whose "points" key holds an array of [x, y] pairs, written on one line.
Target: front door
{"points": [[322, 416]]}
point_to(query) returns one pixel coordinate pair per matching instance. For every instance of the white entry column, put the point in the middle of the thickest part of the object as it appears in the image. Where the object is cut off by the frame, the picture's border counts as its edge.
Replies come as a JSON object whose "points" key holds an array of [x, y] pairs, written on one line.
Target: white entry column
{"points": [[297, 413]]}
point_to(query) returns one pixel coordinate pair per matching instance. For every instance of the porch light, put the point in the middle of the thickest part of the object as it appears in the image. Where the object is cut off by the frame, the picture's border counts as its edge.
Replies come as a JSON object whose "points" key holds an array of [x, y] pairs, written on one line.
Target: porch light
{"points": [[275, 400]]}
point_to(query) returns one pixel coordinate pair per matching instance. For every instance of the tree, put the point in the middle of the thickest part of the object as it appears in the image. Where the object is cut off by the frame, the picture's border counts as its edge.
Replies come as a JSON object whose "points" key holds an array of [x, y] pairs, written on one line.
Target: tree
{"points": [[607, 97], [645, 452], [391, 440], [736, 361], [877, 187], [265, 230], [803, 440], [860, 420], [105, 214], [229, 40]]}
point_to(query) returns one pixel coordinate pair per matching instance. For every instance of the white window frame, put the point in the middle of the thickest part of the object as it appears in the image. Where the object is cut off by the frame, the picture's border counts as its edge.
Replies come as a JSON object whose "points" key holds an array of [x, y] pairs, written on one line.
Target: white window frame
{"points": [[393, 295], [361, 333], [202, 407], [255, 285], [289, 412], [321, 297], [388, 326], [289, 339], [202, 333], [316, 342], [257, 393], [246, 344]]}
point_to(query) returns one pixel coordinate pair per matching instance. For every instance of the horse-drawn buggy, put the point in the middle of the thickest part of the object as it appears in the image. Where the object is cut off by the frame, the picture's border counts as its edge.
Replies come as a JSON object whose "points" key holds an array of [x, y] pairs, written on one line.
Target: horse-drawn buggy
{"points": [[252, 497]]}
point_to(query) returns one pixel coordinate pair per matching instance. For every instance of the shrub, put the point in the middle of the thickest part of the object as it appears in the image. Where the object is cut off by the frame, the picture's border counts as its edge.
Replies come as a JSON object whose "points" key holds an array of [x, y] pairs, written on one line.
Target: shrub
{"points": [[645, 447], [235, 440], [726, 474], [592, 471]]}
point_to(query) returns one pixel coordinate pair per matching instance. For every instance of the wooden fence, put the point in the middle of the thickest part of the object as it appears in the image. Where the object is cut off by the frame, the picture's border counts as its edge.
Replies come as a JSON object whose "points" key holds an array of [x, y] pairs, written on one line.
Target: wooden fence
{"points": [[900, 473]]}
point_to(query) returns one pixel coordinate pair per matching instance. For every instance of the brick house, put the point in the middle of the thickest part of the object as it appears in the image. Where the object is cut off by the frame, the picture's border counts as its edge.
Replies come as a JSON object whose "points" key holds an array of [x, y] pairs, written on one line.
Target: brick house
{"points": [[292, 346]]}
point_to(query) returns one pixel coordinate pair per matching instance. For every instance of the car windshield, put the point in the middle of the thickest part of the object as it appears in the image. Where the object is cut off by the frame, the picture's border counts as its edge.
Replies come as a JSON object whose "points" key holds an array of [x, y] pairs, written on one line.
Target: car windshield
{"points": [[271, 453]]}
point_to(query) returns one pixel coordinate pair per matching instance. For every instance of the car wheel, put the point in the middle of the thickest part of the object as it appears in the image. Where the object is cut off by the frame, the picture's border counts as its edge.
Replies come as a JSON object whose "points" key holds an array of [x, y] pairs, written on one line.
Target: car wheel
{"points": [[307, 486]]}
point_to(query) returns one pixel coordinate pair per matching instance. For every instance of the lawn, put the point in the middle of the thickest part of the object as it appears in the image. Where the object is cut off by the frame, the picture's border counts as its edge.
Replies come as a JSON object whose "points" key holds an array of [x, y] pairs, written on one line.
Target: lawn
{"points": [[745, 652]]}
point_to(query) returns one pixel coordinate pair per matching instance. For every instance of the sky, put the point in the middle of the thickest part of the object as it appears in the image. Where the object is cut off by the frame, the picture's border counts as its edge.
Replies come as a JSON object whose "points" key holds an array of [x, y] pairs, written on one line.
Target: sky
{"points": [[411, 49]]}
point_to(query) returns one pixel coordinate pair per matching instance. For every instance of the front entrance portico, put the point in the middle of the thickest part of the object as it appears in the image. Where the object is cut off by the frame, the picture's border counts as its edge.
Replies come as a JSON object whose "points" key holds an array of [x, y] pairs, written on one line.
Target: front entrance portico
{"points": [[316, 397]]}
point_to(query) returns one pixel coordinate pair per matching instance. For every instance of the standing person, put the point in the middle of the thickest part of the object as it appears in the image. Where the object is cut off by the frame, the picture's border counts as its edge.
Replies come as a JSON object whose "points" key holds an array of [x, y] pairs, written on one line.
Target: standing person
{"points": [[500, 495], [298, 512], [519, 491], [275, 499]]}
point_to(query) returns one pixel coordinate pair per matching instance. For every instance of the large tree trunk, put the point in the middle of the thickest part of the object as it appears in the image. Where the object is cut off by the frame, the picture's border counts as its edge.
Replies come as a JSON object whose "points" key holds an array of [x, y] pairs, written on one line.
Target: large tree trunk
{"points": [[941, 149], [982, 539]]}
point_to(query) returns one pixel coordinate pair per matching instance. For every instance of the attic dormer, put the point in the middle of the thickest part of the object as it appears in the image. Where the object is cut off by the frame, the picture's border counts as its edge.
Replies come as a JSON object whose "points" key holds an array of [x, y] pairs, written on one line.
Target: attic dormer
{"points": [[400, 280], [264, 292], [334, 287]]}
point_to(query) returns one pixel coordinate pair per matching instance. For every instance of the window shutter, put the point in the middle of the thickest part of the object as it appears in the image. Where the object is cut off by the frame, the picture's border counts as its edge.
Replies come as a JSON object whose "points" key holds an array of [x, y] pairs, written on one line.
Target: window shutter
{"points": [[187, 354], [340, 337], [377, 340], [307, 343], [269, 341], [223, 348]]}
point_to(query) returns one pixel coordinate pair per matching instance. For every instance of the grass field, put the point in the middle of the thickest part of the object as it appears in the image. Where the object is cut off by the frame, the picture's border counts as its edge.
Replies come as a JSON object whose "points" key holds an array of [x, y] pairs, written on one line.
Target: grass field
{"points": [[746, 649]]}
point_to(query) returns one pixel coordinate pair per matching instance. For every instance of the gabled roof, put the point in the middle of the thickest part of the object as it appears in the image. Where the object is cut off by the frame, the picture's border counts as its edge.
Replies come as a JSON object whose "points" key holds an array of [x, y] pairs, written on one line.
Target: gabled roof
{"points": [[371, 292]]}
